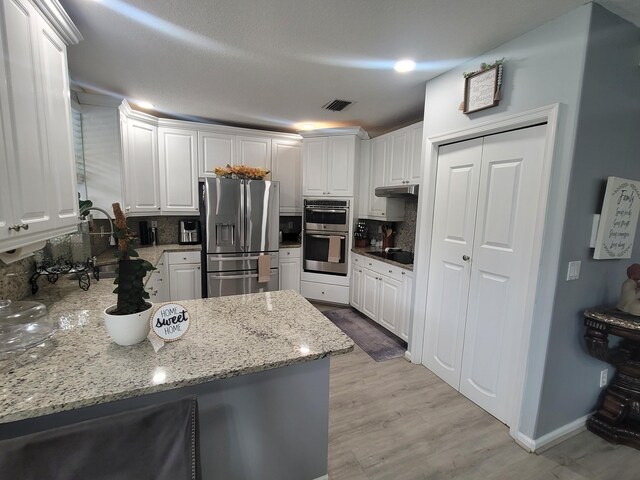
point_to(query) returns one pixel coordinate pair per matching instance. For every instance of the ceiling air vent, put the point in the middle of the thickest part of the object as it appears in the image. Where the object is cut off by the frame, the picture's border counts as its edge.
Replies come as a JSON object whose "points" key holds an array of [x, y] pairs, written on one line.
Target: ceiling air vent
{"points": [[337, 105]]}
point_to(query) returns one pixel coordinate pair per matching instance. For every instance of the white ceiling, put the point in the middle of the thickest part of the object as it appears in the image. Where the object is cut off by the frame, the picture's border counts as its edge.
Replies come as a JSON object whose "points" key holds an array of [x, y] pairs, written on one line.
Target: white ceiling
{"points": [[274, 63]]}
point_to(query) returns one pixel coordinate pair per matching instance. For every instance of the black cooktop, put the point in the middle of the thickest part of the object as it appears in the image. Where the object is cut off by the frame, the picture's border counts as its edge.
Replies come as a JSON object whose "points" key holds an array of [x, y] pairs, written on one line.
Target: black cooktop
{"points": [[405, 258]]}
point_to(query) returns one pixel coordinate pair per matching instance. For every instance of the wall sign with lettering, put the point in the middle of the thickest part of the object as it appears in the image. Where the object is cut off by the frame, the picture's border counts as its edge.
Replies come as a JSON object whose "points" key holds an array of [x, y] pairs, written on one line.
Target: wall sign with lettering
{"points": [[618, 220], [482, 88], [170, 322]]}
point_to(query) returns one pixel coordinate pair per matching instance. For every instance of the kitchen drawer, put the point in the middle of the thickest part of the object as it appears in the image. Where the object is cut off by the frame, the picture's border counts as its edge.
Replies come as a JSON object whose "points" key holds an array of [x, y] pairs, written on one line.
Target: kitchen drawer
{"points": [[188, 256], [290, 253], [358, 259], [325, 292], [383, 268]]}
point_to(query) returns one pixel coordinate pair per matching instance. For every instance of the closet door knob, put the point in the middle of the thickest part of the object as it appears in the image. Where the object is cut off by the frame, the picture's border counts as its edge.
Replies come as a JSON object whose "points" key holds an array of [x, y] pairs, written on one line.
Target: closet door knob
{"points": [[466, 258]]}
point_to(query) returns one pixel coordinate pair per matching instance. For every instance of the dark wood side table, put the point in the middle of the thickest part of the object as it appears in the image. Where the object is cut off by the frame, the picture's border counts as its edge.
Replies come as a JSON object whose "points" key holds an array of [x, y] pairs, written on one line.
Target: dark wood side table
{"points": [[618, 416]]}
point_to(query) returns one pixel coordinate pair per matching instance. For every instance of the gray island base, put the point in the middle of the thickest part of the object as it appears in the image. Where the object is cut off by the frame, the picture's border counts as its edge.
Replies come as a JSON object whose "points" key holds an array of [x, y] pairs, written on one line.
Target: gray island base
{"points": [[258, 365]]}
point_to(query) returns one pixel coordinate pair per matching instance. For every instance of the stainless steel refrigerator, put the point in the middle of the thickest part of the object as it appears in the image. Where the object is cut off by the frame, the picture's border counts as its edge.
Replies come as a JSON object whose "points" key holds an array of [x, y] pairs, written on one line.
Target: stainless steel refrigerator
{"points": [[241, 221]]}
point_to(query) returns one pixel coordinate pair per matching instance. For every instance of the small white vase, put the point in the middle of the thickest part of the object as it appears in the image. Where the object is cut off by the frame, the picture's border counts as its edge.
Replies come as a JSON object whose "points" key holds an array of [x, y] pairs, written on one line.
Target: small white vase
{"points": [[127, 329]]}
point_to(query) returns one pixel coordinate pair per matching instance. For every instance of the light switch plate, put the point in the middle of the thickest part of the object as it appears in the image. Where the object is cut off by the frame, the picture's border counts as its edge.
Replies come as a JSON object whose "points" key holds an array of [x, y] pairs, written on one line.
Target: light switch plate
{"points": [[573, 272]]}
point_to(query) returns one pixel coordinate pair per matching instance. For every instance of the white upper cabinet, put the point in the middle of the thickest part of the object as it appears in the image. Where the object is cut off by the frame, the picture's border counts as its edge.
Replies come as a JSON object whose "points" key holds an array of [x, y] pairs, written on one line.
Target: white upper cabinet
{"points": [[253, 152], [214, 150], [328, 165], [415, 153], [124, 150], [375, 156], [379, 160], [39, 171], [314, 166], [396, 167], [163, 159], [286, 167], [177, 150], [341, 165], [141, 164], [405, 156], [57, 115]]}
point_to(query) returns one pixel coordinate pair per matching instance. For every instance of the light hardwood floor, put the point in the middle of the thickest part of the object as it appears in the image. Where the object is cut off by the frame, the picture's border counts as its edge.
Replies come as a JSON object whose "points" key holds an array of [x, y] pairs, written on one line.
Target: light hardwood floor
{"points": [[397, 420]]}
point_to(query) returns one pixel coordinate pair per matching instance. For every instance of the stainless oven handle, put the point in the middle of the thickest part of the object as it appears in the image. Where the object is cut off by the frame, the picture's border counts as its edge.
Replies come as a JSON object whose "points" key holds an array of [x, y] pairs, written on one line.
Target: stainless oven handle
{"points": [[327, 236], [318, 210]]}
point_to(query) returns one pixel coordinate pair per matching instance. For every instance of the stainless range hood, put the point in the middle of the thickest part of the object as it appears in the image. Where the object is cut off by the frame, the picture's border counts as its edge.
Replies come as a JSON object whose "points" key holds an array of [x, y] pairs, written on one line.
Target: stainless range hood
{"points": [[400, 191]]}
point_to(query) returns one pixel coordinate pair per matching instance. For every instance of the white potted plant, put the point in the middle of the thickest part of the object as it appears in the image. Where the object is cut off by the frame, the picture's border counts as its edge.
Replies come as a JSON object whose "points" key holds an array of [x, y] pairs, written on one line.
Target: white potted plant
{"points": [[128, 320]]}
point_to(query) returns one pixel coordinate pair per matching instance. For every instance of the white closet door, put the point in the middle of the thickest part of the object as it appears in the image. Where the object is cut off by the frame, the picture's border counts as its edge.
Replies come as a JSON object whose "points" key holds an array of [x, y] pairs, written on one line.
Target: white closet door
{"points": [[510, 183], [458, 176]]}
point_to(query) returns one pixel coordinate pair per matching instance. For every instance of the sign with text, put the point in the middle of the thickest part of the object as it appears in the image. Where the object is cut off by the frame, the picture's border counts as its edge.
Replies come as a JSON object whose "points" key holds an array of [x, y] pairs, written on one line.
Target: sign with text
{"points": [[619, 218], [170, 322], [480, 90]]}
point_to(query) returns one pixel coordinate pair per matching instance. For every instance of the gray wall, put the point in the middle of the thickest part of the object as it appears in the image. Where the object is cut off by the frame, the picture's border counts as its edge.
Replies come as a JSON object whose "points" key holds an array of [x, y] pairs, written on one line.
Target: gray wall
{"points": [[607, 144], [542, 67]]}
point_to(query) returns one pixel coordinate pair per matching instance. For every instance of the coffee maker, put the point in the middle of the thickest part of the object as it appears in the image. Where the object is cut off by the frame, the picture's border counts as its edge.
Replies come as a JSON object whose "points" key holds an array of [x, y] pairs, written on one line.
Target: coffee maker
{"points": [[189, 231]]}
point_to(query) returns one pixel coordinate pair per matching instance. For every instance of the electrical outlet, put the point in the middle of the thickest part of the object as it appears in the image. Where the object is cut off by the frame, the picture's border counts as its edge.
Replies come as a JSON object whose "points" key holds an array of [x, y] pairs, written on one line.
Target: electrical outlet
{"points": [[154, 224], [603, 377]]}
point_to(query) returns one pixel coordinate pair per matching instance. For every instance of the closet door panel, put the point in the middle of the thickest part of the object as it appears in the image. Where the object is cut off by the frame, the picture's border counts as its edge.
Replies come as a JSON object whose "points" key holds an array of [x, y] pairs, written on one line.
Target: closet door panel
{"points": [[458, 176], [510, 182]]}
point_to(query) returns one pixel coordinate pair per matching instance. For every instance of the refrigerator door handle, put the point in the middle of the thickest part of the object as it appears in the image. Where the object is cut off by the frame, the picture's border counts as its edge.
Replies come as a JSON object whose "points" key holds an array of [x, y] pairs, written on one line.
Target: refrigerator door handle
{"points": [[235, 259], [235, 277], [243, 216]]}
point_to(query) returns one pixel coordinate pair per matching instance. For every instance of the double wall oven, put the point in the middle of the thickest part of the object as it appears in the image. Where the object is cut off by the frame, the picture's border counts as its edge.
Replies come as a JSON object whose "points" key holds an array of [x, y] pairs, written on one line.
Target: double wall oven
{"points": [[326, 236]]}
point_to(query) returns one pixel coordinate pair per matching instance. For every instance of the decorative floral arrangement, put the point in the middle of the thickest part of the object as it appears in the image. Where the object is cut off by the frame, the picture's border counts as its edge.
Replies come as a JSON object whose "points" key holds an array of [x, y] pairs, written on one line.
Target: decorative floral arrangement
{"points": [[242, 172], [484, 66]]}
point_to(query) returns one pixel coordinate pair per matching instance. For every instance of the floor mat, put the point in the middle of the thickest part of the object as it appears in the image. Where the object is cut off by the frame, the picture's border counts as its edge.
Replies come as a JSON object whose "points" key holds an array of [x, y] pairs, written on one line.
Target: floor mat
{"points": [[372, 338]]}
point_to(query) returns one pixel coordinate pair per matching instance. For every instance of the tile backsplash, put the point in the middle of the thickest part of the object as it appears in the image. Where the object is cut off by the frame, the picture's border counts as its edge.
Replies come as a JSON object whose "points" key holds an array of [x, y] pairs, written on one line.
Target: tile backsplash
{"points": [[405, 237], [14, 277]]}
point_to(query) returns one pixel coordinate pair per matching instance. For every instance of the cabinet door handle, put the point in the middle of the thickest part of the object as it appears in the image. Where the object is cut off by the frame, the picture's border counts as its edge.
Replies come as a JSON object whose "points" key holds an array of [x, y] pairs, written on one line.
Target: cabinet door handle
{"points": [[15, 227], [466, 258], [25, 226]]}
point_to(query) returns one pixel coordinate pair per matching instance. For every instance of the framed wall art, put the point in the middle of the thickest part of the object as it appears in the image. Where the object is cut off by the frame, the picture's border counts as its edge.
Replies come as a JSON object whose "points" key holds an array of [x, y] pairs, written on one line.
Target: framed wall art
{"points": [[618, 220], [482, 87]]}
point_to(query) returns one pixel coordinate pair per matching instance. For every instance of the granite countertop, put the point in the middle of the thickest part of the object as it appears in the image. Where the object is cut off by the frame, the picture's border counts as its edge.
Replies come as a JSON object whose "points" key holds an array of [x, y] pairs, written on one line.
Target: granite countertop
{"points": [[290, 244], [149, 253], [229, 336], [366, 251]]}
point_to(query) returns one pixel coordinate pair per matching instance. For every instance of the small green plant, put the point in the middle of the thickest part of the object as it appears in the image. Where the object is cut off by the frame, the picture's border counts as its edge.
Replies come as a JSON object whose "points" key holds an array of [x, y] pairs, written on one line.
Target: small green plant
{"points": [[84, 206], [131, 269]]}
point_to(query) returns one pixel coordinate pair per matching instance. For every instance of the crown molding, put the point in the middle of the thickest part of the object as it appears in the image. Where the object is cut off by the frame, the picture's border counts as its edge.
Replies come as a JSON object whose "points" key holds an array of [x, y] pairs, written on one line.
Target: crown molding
{"points": [[59, 20], [329, 132]]}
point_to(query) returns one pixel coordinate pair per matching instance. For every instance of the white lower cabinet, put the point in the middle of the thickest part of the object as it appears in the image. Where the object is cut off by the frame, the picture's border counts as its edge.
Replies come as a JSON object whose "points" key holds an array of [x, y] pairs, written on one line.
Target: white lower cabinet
{"points": [[289, 265], [185, 282], [158, 283], [383, 292], [185, 275]]}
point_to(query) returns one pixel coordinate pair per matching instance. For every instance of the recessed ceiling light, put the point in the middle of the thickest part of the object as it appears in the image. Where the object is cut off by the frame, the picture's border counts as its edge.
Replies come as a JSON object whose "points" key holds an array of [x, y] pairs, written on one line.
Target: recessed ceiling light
{"points": [[145, 105], [405, 65], [307, 126]]}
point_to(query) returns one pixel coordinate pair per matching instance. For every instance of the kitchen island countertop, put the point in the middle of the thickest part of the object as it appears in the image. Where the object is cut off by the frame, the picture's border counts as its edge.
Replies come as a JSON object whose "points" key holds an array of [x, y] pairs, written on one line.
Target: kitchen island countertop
{"points": [[228, 336]]}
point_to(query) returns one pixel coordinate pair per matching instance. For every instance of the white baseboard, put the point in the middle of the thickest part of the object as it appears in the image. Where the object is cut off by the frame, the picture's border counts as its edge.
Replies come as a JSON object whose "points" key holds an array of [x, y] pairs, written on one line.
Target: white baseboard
{"points": [[407, 356], [552, 438], [324, 477]]}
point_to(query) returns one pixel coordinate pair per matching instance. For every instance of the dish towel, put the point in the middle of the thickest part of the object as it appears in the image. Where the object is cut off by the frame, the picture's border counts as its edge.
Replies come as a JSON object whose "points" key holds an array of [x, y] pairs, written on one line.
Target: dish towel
{"points": [[334, 249], [157, 442], [264, 269]]}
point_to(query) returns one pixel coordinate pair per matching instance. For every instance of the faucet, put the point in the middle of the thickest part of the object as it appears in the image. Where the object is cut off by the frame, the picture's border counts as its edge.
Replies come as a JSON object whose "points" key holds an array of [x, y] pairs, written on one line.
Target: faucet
{"points": [[112, 240]]}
